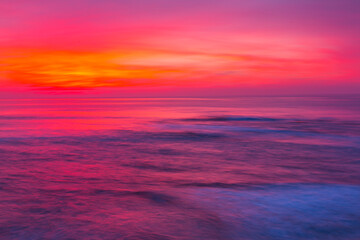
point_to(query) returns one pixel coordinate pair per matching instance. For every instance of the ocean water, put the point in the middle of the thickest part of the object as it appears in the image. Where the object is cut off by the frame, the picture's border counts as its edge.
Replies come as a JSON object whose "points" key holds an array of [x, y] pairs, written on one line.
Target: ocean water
{"points": [[266, 168]]}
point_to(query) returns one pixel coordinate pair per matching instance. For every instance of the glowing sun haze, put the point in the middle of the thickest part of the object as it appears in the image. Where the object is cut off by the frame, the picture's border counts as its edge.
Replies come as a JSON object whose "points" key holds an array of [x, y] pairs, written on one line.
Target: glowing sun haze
{"points": [[188, 47]]}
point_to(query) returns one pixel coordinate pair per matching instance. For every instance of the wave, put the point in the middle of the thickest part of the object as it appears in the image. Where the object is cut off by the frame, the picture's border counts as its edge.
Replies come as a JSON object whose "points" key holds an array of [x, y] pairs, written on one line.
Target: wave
{"points": [[231, 118]]}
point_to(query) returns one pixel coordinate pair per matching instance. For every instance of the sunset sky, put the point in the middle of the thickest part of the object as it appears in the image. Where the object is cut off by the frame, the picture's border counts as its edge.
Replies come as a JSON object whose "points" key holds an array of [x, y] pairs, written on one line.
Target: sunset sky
{"points": [[178, 48]]}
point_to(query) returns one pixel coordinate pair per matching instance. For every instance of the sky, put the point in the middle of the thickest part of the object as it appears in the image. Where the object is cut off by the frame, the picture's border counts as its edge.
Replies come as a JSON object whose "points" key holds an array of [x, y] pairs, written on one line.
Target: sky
{"points": [[116, 48]]}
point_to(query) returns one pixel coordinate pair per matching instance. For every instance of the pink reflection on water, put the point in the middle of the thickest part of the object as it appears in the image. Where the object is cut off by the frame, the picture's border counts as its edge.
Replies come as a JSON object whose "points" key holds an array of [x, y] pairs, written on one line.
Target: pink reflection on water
{"points": [[179, 168]]}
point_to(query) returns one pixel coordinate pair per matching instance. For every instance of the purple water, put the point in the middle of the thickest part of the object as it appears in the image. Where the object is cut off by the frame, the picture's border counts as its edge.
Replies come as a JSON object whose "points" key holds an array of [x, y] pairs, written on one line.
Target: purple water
{"points": [[233, 168]]}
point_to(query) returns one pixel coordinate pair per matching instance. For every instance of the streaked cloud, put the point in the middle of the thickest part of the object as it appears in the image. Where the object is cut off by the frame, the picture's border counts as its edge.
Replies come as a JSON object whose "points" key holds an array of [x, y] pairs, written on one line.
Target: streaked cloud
{"points": [[91, 44]]}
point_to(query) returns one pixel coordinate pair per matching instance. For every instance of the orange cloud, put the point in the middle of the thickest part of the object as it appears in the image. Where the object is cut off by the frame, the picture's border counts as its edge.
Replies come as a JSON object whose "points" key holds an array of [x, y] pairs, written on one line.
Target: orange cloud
{"points": [[123, 68], [73, 70]]}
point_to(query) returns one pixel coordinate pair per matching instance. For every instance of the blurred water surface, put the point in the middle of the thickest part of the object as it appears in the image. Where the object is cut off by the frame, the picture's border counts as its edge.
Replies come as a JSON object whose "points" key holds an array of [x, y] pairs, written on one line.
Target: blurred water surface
{"points": [[141, 168]]}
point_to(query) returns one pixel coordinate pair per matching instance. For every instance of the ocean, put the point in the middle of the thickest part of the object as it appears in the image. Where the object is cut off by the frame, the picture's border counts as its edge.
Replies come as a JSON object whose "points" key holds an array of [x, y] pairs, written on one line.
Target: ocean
{"points": [[252, 168]]}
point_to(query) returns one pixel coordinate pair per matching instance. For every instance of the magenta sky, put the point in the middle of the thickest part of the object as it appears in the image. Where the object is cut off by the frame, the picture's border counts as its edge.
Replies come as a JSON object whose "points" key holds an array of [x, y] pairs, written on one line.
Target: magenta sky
{"points": [[179, 48]]}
